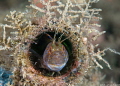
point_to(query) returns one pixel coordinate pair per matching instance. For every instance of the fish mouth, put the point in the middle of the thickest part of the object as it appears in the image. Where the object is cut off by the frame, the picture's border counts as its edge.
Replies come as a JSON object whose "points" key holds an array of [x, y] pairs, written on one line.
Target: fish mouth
{"points": [[57, 67]]}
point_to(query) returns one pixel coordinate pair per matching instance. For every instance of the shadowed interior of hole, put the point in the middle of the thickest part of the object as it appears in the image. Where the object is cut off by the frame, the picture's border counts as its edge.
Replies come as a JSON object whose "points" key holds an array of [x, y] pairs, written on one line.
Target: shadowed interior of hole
{"points": [[39, 47]]}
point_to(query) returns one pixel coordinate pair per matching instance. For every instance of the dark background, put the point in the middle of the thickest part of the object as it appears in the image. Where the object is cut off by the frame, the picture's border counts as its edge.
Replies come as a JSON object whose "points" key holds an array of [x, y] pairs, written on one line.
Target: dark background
{"points": [[111, 24]]}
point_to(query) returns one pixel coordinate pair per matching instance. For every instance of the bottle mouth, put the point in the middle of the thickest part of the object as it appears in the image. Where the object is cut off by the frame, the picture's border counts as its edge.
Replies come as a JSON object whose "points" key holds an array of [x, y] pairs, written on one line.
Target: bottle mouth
{"points": [[39, 47]]}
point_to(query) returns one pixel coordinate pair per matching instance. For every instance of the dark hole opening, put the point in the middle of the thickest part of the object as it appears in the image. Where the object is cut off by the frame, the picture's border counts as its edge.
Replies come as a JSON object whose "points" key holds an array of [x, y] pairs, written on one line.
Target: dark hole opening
{"points": [[38, 47]]}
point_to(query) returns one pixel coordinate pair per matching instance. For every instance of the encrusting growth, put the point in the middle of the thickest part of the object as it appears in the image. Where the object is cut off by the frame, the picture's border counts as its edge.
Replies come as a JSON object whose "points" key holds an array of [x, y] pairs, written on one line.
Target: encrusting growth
{"points": [[69, 59]]}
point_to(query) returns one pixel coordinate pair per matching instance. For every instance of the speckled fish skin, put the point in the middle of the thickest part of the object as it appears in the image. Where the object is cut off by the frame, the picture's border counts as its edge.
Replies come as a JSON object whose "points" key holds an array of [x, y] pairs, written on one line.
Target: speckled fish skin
{"points": [[55, 56]]}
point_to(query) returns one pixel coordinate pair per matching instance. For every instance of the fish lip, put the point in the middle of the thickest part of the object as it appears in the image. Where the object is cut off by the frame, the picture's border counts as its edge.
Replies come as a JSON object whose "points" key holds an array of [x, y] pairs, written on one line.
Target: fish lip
{"points": [[56, 68]]}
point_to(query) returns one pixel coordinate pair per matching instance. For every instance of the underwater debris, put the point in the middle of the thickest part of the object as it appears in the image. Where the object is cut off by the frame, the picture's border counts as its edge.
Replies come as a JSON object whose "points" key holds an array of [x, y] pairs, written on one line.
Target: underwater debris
{"points": [[5, 77], [69, 22]]}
